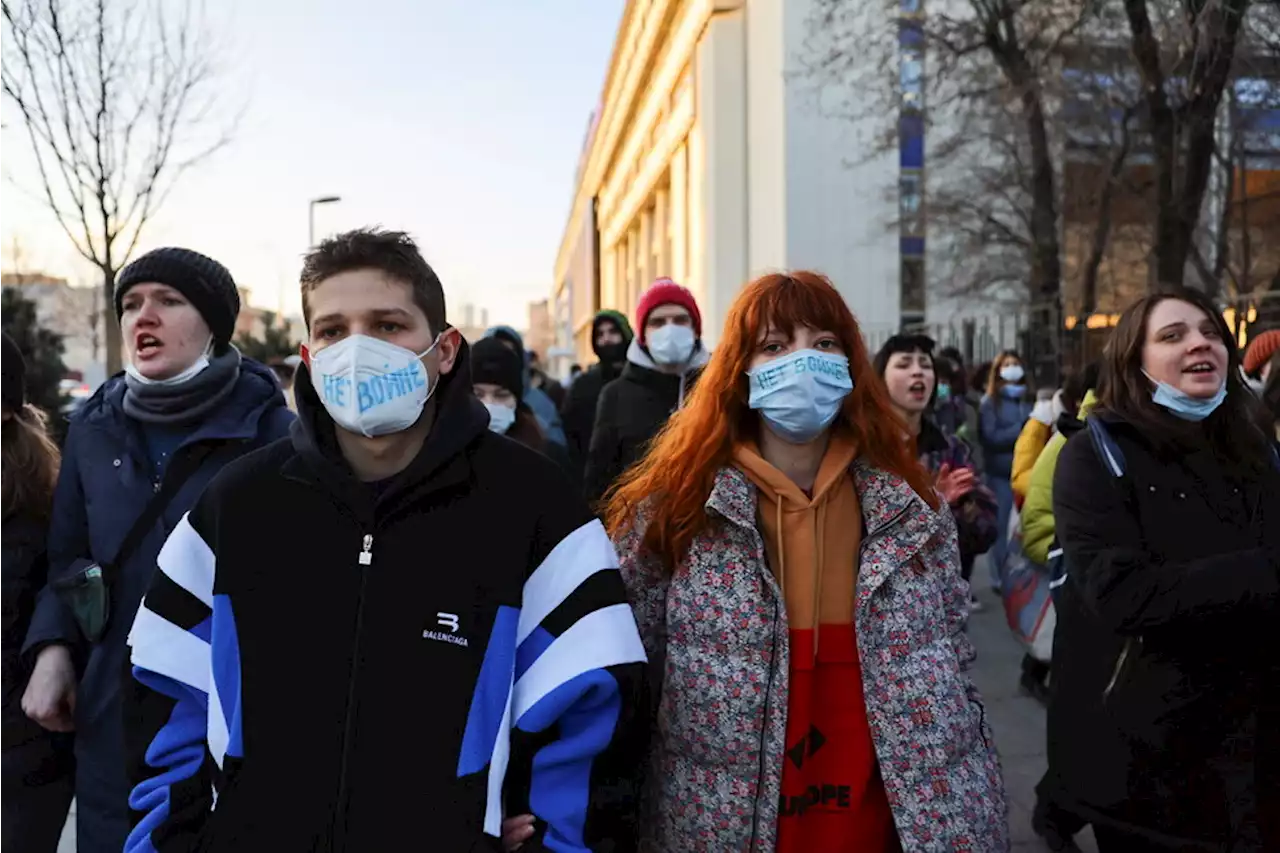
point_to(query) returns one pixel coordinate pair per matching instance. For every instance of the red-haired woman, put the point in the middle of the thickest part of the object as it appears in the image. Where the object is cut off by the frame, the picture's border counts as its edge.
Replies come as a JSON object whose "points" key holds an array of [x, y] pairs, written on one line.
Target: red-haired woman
{"points": [[798, 589]]}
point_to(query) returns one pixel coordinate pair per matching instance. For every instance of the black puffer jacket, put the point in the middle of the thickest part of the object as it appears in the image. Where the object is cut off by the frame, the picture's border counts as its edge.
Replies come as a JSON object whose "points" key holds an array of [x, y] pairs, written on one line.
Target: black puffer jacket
{"points": [[1165, 720], [630, 413], [24, 574], [579, 413]]}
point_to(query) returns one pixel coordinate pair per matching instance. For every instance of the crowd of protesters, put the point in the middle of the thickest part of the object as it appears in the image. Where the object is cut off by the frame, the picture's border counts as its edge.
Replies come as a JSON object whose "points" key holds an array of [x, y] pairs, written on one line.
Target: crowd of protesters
{"points": [[409, 586]]}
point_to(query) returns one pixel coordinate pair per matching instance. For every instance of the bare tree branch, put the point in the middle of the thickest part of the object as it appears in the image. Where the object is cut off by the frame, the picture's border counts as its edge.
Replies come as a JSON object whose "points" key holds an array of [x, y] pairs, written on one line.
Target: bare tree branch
{"points": [[119, 101]]}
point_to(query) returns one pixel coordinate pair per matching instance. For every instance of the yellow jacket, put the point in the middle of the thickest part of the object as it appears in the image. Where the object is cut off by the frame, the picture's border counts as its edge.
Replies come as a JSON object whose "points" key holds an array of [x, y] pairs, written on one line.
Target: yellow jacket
{"points": [[1031, 441], [1037, 510]]}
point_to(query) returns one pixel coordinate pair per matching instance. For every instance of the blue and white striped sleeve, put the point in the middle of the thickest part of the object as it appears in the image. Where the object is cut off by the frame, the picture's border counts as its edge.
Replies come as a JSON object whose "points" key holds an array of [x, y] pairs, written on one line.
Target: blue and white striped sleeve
{"points": [[579, 670], [177, 730], [553, 722]]}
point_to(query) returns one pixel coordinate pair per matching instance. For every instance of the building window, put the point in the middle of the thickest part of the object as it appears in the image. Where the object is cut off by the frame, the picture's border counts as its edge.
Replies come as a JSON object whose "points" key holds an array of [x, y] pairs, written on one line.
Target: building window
{"points": [[911, 141], [912, 79], [912, 286], [911, 203]]}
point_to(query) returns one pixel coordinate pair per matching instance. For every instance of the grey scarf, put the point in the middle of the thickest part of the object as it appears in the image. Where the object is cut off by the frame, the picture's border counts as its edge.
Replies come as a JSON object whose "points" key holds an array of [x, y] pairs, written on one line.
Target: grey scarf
{"points": [[186, 402]]}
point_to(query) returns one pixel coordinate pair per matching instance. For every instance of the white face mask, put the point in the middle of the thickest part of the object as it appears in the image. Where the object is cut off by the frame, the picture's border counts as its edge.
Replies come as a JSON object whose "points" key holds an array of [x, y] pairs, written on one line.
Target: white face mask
{"points": [[1012, 373], [500, 417], [195, 369], [671, 344], [372, 387]]}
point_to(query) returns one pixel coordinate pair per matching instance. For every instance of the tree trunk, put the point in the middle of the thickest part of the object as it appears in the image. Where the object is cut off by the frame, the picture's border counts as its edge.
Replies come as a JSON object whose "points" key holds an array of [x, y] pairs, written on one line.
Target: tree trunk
{"points": [[1102, 229], [110, 323], [1183, 138], [1046, 252]]}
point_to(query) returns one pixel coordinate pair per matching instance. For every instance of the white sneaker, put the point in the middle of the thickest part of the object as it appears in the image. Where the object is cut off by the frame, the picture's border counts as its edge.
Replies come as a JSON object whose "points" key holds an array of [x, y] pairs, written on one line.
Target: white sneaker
{"points": [[975, 606]]}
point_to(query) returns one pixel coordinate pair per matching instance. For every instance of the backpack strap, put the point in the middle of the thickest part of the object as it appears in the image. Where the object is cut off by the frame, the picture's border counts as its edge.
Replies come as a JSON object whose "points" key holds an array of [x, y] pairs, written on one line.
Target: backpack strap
{"points": [[1109, 453]]}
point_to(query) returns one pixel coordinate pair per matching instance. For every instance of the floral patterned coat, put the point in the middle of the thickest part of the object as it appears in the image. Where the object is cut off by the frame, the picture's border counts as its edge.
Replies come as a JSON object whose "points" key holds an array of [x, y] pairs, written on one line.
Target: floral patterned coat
{"points": [[717, 636]]}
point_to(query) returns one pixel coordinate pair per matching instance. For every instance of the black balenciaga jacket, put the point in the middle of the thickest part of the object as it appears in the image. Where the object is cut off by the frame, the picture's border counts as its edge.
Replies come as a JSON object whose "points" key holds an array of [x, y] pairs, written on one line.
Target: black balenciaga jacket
{"points": [[355, 668]]}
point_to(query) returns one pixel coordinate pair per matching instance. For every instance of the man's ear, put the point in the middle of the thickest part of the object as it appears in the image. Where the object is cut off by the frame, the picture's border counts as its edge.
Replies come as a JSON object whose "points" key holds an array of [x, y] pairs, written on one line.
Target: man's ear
{"points": [[449, 347]]}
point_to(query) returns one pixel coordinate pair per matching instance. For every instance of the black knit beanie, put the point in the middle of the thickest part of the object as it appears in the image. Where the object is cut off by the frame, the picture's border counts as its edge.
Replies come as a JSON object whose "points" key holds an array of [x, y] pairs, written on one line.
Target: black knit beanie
{"points": [[494, 364], [207, 284], [13, 377]]}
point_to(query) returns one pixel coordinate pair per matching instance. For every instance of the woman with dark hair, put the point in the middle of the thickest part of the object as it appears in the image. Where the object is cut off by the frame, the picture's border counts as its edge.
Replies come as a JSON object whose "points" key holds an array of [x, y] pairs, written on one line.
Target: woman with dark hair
{"points": [[797, 586], [138, 454], [1002, 413], [906, 366], [1164, 728], [38, 772], [497, 376], [949, 406]]}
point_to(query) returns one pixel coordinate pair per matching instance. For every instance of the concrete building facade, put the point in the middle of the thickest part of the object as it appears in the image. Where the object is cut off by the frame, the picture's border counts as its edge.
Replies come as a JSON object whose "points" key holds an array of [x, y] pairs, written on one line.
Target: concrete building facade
{"points": [[712, 158]]}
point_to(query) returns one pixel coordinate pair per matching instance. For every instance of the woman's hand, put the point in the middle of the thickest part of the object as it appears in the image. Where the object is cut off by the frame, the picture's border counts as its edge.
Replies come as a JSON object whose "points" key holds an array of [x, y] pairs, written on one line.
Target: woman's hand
{"points": [[516, 831], [50, 697], [955, 483]]}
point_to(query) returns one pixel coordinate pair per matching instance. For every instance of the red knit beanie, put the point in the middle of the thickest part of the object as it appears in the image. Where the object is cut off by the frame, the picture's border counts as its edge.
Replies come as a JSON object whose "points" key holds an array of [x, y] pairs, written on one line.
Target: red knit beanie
{"points": [[664, 291], [1261, 348]]}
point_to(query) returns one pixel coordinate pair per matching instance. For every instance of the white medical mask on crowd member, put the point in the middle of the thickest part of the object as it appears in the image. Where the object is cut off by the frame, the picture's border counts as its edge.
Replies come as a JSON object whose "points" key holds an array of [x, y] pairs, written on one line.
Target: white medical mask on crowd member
{"points": [[671, 344], [1012, 373], [195, 369], [372, 387], [800, 394], [501, 417]]}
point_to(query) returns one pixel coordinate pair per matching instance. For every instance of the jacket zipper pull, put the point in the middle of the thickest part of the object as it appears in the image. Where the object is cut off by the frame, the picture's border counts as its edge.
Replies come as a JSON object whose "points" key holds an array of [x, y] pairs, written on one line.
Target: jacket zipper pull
{"points": [[366, 553]]}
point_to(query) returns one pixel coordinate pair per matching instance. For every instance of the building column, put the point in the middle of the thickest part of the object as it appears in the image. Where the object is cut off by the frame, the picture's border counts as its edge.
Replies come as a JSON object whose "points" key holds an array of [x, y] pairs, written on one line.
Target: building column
{"points": [[718, 168], [677, 214]]}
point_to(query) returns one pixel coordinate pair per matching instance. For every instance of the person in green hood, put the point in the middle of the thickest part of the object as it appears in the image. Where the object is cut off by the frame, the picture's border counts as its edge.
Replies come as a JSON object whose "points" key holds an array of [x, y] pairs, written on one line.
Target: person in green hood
{"points": [[610, 336]]}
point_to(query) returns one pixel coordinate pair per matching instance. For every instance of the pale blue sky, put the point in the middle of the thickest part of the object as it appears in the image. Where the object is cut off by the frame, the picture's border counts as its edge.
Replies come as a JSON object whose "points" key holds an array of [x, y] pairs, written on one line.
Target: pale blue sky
{"points": [[460, 121]]}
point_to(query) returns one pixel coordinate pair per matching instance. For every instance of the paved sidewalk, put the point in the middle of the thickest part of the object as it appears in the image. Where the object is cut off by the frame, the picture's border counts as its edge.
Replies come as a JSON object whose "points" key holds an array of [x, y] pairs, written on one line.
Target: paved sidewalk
{"points": [[1017, 720]]}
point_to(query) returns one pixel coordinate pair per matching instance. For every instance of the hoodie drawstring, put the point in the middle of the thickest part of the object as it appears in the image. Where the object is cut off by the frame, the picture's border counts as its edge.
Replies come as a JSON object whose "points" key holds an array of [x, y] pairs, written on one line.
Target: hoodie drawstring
{"points": [[821, 533]]}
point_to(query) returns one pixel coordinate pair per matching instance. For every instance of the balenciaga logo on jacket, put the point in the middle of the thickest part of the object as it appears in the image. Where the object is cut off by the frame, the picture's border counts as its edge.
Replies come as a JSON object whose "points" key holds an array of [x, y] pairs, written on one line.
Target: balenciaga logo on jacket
{"points": [[348, 666]]}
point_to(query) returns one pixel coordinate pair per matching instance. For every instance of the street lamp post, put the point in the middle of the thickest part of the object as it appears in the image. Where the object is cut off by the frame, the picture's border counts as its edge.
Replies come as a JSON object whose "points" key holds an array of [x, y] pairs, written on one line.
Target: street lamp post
{"points": [[311, 216]]}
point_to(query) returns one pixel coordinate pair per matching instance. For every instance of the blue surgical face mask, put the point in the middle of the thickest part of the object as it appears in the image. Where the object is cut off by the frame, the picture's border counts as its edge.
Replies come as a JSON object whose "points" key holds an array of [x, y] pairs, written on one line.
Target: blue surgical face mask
{"points": [[1183, 405], [800, 394], [944, 392]]}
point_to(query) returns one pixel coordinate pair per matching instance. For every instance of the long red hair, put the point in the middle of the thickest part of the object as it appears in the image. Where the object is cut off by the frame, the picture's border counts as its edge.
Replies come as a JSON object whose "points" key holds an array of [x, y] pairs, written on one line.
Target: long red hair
{"points": [[675, 478]]}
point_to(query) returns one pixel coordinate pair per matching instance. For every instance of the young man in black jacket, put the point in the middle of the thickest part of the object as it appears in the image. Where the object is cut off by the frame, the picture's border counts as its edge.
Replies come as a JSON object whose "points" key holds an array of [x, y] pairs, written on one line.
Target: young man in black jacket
{"points": [[662, 364], [439, 640], [610, 336]]}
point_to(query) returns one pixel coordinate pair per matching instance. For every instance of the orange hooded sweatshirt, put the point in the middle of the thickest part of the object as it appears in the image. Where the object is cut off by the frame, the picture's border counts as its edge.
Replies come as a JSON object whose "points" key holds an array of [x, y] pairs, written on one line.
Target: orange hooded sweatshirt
{"points": [[833, 798]]}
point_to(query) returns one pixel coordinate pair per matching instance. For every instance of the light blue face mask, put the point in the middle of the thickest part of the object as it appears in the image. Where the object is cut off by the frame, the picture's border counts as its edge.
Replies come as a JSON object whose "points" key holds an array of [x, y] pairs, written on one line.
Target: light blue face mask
{"points": [[1183, 405], [800, 394]]}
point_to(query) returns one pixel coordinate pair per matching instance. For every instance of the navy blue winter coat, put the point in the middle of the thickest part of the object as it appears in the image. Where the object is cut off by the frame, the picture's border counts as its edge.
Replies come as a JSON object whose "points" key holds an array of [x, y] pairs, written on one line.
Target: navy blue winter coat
{"points": [[1000, 422], [105, 483]]}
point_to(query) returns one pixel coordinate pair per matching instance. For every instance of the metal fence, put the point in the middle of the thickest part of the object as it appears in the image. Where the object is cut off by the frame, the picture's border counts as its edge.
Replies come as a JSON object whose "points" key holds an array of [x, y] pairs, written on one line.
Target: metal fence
{"points": [[1036, 334], [1053, 344]]}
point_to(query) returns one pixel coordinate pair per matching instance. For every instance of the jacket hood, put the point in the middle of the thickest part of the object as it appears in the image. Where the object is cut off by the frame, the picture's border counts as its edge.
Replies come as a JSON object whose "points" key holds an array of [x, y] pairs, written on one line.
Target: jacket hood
{"points": [[460, 419], [616, 317], [508, 333], [1087, 404], [638, 355], [1069, 424], [256, 395]]}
